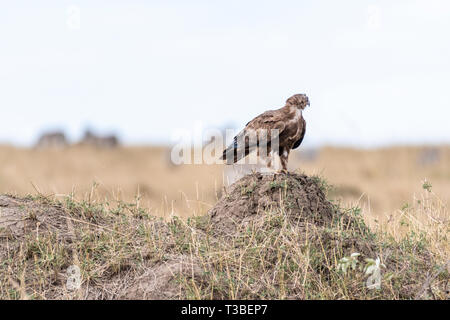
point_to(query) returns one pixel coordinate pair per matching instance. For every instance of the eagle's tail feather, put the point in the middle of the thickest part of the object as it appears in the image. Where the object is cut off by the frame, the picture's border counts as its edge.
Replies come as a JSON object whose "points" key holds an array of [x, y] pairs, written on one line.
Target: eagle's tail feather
{"points": [[235, 152]]}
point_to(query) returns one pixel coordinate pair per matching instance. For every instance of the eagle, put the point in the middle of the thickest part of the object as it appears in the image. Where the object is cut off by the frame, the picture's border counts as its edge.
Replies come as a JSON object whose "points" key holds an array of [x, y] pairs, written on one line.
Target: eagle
{"points": [[272, 132]]}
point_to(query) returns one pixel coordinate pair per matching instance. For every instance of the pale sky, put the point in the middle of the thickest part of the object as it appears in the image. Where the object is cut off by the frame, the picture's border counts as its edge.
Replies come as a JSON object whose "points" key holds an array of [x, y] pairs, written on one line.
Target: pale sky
{"points": [[376, 72]]}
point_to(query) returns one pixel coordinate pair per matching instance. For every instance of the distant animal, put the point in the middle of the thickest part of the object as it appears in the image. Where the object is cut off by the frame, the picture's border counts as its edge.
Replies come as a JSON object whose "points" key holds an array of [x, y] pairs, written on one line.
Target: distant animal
{"points": [[55, 139], [285, 125], [94, 140], [429, 156]]}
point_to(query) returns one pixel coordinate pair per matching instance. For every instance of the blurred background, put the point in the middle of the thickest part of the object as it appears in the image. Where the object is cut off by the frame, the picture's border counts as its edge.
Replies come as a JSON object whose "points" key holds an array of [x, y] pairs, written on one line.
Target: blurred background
{"points": [[93, 93]]}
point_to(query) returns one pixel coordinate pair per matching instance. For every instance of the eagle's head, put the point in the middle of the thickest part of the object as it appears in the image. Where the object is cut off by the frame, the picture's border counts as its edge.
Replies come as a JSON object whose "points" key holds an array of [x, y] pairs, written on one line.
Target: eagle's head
{"points": [[298, 100]]}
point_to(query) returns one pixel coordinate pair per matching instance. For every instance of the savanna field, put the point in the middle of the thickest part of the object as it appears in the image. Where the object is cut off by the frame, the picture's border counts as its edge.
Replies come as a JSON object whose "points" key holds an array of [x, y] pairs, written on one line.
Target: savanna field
{"points": [[114, 198], [380, 181]]}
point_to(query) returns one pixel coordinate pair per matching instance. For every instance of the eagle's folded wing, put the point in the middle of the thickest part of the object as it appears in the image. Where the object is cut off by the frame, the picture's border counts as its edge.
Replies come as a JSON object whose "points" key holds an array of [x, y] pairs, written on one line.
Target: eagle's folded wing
{"points": [[302, 135], [262, 129]]}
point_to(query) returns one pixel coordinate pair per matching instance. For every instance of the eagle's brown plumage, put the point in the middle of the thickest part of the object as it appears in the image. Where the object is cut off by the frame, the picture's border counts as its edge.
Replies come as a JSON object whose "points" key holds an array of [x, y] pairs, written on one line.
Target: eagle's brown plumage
{"points": [[287, 121]]}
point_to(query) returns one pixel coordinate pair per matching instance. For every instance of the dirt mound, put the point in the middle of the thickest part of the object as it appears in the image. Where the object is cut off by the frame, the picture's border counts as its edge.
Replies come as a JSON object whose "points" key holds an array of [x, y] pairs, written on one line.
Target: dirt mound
{"points": [[45, 238], [302, 198], [21, 217], [269, 237], [157, 282]]}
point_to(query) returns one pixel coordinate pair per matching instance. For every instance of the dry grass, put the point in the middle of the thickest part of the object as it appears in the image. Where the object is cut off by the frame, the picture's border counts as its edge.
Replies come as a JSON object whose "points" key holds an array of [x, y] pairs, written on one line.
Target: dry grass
{"points": [[119, 175], [124, 252], [380, 181], [109, 199]]}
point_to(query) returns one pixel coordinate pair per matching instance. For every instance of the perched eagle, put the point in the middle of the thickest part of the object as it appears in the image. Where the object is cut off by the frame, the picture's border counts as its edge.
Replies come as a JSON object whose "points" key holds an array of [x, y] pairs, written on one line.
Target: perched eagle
{"points": [[284, 126]]}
